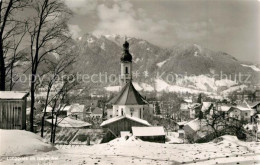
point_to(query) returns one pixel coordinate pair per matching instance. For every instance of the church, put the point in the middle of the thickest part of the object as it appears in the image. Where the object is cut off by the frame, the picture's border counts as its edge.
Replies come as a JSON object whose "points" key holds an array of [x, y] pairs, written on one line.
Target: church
{"points": [[130, 108]]}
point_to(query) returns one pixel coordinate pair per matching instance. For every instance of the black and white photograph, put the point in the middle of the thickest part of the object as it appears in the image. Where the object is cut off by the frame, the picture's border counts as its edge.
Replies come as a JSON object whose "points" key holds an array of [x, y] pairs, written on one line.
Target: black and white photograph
{"points": [[129, 82]]}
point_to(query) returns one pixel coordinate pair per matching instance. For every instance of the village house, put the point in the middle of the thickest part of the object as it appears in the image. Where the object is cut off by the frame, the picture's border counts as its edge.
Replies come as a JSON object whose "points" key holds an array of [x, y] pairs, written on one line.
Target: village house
{"points": [[63, 111], [185, 109], [196, 129], [224, 109], [257, 94], [188, 109], [13, 109], [77, 111], [68, 122], [255, 105], [109, 113], [208, 108], [242, 112], [97, 113], [180, 128]]}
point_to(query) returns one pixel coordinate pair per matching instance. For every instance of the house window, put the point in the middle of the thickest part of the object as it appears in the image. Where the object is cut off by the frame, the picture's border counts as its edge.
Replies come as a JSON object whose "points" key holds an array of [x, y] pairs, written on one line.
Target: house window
{"points": [[245, 114], [110, 116], [140, 112], [122, 113], [126, 70]]}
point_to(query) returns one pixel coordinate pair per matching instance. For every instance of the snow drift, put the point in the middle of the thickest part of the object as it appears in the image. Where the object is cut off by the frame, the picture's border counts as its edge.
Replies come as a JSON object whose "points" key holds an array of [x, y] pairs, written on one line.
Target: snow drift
{"points": [[19, 142]]}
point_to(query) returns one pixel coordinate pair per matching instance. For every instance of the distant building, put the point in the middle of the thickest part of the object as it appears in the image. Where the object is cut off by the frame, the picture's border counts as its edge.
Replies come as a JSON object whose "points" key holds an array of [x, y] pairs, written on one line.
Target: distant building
{"points": [[185, 110], [97, 112], [92, 104], [68, 122], [207, 108], [242, 112], [224, 109], [77, 111], [63, 111], [13, 109], [188, 110], [196, 129], [180, 128], [257, 95], [109, 113], [255, 105], [48, 110]]}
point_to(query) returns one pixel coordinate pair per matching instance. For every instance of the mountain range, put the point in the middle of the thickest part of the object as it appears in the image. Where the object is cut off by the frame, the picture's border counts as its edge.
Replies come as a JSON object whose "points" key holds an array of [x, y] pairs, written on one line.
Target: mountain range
{"points": [[184, 67]]}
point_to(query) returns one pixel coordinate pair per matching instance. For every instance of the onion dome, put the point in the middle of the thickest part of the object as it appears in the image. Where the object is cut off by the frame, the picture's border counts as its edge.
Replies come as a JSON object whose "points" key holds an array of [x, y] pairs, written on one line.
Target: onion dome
{"points": [[126, 56]]}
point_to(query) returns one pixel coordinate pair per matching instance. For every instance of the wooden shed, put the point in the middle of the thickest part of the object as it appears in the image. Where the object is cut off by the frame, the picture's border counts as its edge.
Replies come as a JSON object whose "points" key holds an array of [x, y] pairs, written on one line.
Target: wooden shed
{"points": [[123, 123], [151, 134], [13, 109]]}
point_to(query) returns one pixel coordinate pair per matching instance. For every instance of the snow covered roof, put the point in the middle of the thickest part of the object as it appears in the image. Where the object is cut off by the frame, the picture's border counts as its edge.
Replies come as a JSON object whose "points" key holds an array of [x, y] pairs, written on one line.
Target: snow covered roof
{"points": [[12, 95], [128, 96], [206, 106], [182, 122], [185, 106], [253, 104], [243, 107], [194, 124], [224, 108], [66, 108], [117, 118], [148, 131], [194, 105], [187, 100], [70, 123], [48, 109]]}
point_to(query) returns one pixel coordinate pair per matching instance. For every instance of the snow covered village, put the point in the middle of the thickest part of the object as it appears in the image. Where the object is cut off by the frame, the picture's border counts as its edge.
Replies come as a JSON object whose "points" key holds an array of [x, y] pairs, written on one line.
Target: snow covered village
{"points": [[118, 82]]}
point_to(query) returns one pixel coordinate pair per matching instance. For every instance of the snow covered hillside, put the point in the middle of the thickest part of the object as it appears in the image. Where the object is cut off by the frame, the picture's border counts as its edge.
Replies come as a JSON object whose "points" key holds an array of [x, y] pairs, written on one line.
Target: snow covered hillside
{"points": [[227, 149]]}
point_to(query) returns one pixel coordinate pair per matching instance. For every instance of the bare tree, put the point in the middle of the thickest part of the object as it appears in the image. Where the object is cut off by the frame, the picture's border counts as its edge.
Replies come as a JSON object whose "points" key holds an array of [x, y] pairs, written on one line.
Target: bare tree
{"points": [[48, 34], [57, 69], [60, 101], [14, 57], [10, 27]]}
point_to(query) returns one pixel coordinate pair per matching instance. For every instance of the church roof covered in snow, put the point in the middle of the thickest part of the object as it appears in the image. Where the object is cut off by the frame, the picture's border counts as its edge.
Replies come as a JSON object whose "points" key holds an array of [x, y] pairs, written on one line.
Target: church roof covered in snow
{"points": [[128, 96]]}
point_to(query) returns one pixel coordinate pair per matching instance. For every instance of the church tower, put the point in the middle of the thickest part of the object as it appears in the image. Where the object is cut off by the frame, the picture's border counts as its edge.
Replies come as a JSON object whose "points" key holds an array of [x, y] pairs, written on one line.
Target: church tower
{"points": [[126, 65]]}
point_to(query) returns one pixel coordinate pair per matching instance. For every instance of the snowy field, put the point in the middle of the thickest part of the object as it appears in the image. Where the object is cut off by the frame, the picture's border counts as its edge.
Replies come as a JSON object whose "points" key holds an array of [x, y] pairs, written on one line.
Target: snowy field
{"points": [[227, 150]]}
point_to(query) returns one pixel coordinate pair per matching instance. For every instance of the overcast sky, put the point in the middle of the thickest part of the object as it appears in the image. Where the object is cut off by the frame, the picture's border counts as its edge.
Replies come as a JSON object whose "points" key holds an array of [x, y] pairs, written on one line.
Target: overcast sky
{"points": [[231, 26]]}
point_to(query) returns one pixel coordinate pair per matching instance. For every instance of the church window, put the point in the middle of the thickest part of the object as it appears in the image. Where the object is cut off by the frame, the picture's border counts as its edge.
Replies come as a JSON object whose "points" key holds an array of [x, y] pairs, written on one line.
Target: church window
{"points": [[126, 70], [131, 111]]}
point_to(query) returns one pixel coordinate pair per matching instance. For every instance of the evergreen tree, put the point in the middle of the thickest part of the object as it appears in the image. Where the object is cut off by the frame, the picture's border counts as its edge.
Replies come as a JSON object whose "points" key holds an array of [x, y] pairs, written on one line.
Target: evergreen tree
{"points": [[157, 109]]}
